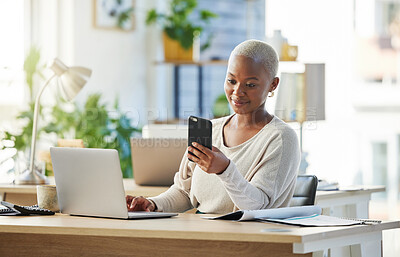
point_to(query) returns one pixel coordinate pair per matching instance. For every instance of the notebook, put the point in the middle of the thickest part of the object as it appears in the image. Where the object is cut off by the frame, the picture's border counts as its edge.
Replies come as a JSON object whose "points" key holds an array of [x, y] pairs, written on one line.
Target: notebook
{"points": [[156, 160], [89, 183], [305, 216]]}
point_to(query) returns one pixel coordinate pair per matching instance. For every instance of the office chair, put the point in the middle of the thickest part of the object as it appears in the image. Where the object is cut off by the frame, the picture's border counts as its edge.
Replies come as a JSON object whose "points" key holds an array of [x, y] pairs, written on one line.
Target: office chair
{"points": [[304, 193]]}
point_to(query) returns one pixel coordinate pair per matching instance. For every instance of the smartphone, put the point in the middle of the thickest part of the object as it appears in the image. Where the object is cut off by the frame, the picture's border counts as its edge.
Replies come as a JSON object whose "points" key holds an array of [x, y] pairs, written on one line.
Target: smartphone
{"points": [[200, 131]]}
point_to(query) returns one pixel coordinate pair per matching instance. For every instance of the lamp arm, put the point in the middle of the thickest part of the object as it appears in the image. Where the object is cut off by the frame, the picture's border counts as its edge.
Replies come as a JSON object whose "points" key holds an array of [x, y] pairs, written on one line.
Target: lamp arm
{"points": [[34, 127]]}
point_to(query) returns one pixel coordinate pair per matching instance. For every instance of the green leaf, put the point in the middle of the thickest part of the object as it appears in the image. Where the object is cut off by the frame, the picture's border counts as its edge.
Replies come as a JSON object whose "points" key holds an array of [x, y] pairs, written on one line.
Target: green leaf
{"points": [[187, 37], [151, 17], [31, 68], [124, 16], [178, 24], [92, 124], [207, 42], [206, 15]]}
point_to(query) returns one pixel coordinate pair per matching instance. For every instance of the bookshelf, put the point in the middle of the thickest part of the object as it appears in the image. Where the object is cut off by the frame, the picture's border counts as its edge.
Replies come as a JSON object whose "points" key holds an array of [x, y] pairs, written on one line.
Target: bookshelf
{"points": [[300, 94], [200, 81]]}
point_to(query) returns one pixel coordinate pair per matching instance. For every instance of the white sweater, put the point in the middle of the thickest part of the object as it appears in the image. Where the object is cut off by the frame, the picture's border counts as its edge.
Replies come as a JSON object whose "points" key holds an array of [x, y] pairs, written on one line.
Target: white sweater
{"points": [[261, 174]]}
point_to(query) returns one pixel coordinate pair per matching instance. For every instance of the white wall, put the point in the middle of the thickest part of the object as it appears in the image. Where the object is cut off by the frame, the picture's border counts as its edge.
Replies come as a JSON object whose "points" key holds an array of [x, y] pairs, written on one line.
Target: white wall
{"points": [[12, 83], [340, 147], [323, 32], [118, 59], [122, 62]]}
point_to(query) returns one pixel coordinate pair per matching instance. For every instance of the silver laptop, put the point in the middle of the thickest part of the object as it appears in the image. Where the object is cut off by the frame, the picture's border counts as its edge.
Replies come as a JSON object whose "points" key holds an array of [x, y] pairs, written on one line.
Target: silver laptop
{"points": [[89, 183], [156, 160]]}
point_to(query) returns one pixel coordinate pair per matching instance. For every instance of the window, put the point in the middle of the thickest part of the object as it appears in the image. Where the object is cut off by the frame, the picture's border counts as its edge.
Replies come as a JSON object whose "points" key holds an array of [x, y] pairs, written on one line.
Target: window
{"points": [[379, 165], [12, 54]]}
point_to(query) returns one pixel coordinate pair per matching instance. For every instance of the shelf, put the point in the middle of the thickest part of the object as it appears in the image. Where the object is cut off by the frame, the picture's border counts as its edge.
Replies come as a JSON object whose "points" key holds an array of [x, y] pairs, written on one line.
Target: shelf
{"points": [[197, 63]]}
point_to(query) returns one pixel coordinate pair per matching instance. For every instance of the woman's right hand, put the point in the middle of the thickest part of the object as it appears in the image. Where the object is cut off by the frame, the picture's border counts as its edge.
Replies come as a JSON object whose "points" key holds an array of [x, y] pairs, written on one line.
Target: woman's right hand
{"points": [[139, 203]]}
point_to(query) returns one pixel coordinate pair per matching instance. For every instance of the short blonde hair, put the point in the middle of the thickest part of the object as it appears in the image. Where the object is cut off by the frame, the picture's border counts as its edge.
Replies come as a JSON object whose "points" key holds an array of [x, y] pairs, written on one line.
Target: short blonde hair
{"points": [[260, 52]]}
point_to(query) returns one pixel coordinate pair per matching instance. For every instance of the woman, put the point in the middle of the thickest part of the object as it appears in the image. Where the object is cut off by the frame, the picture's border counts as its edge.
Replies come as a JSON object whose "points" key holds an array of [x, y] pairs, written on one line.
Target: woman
{"points": [[255, 156]]}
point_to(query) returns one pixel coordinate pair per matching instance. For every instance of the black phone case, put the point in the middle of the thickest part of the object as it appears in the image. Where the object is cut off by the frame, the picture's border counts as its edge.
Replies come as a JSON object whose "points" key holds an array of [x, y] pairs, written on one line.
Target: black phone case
{"points": [[200, 131]]}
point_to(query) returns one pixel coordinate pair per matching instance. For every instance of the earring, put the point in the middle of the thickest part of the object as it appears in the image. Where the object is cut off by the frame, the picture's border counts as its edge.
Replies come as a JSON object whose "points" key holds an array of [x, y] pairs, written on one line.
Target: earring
{"points": [[272, 94]]}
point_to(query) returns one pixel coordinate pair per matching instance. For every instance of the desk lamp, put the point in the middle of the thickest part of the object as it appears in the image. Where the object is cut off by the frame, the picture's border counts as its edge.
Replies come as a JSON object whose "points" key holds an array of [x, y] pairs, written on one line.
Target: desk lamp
{"points": [[71, 80]]}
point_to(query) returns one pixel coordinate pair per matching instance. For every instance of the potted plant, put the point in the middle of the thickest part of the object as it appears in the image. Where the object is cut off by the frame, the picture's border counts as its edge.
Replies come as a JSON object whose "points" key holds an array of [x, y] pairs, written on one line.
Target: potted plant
{"points": [[96, 126], [94, 123], [181, 30]]}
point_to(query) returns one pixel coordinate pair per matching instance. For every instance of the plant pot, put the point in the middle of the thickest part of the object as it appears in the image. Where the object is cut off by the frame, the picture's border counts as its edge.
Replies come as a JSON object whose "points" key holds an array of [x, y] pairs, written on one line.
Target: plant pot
{"points": [[173, 51]]}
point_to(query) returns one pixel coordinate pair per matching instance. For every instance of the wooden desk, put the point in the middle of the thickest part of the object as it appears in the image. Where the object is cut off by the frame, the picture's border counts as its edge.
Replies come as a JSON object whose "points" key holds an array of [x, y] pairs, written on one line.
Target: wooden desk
{"points": [[185, 235], [335, 203]]}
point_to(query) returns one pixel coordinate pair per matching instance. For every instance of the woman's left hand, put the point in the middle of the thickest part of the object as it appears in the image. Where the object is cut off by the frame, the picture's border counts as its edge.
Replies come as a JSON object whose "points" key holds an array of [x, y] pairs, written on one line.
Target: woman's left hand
{"points": [[209, 161]]}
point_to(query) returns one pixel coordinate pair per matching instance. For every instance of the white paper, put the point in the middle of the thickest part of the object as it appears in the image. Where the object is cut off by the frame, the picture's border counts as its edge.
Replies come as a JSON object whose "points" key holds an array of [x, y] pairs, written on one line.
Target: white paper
{"points": [[282, 213], [316, 221], [278, 213]]}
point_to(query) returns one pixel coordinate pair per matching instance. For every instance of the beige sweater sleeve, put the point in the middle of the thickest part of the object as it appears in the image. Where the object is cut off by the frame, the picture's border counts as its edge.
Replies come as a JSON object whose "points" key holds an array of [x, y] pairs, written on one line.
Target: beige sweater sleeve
{"points": [[261, 174], [176, 198], [271, 182]]}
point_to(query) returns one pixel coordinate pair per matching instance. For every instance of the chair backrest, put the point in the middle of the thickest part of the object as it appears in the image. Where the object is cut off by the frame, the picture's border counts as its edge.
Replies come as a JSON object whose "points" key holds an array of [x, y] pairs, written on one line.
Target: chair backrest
{"points": [[304, 193]]}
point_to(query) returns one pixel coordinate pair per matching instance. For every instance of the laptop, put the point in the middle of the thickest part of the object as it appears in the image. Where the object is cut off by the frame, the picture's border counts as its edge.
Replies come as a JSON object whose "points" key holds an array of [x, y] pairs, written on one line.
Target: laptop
{"points": [[156, 160], [89, 183]]}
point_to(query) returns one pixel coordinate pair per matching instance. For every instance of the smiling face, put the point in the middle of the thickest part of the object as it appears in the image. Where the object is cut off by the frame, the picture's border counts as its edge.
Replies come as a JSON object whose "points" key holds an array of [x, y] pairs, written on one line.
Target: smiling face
{"points": [[247, 84]]}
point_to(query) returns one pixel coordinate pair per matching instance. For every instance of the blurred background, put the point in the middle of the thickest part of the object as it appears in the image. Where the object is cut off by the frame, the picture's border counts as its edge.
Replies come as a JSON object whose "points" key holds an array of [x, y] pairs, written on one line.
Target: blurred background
{"points": [[340, 69]]}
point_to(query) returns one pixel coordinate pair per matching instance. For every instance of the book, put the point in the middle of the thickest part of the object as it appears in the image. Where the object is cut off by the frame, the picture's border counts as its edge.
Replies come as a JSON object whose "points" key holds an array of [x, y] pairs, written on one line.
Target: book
{"points": [[276, 213], [305, 216]]}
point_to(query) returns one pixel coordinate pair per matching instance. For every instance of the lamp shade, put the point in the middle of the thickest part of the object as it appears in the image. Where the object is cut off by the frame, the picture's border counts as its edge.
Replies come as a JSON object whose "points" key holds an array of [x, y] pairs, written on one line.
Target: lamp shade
{"points": [[70, 79]]}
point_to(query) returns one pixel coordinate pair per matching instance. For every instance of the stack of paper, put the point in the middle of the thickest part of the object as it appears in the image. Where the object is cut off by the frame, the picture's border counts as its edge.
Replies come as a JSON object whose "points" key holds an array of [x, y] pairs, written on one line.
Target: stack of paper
{"points": [[309, 216], [316, 221], [278, 213]]}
